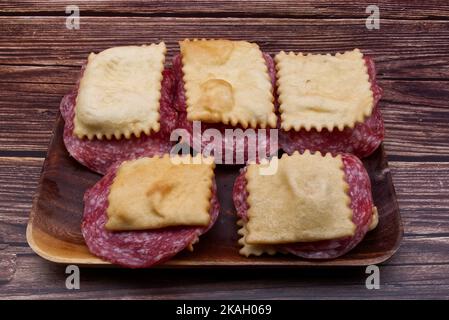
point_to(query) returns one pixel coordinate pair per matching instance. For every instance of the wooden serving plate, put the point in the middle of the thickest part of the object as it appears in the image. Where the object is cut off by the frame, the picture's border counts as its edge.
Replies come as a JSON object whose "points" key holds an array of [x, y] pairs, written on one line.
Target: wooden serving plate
{"points": [[54, 228]]}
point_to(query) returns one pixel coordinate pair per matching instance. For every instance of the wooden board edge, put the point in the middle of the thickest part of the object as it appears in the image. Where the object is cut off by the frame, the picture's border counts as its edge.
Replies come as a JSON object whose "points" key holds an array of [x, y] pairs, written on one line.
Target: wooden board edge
{"points": [[37, 240]]}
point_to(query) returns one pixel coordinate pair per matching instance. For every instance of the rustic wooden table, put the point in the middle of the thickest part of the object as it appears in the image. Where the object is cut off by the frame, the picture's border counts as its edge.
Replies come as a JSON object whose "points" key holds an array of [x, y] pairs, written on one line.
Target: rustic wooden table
{"points": [[39, 62]]}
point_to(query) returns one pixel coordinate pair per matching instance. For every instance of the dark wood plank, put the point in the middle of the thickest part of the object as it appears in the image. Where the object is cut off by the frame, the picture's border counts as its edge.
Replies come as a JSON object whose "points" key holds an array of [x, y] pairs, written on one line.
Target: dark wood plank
{"points": [[43, 75], [422, 188], [402, 49], [416, 118], [36, 278], [18, 181], [27, 114], [305, 9], [415, 113], [7, 266]]}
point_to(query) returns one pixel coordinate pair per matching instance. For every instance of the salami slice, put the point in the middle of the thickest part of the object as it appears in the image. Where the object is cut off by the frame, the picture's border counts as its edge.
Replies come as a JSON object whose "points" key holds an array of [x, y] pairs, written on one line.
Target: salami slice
{"points": [[134, 249], [238, 147], [240, 195], [362, 140], [99, 155], [361, 205]]}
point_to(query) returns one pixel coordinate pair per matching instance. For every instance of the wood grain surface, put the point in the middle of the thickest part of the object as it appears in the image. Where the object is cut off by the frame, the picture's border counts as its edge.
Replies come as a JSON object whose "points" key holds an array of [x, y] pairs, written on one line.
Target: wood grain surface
{"points": [[415, 9], [39, 63]]}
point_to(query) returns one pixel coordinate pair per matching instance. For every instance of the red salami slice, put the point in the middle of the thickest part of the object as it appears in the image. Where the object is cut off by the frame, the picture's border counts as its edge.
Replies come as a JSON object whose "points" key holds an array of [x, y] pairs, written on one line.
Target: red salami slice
{"points": [[362, 140], [361, 205], [99, 155], [134, 249], [240, 195], [183, 123]]}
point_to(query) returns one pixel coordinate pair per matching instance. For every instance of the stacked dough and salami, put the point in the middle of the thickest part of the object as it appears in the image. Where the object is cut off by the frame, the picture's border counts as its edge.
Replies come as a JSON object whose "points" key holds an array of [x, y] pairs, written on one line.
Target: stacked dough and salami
{"points": [[145, 211], [151, 205], [329, 103], [314, 206], [121, 108], [227, 85]]}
